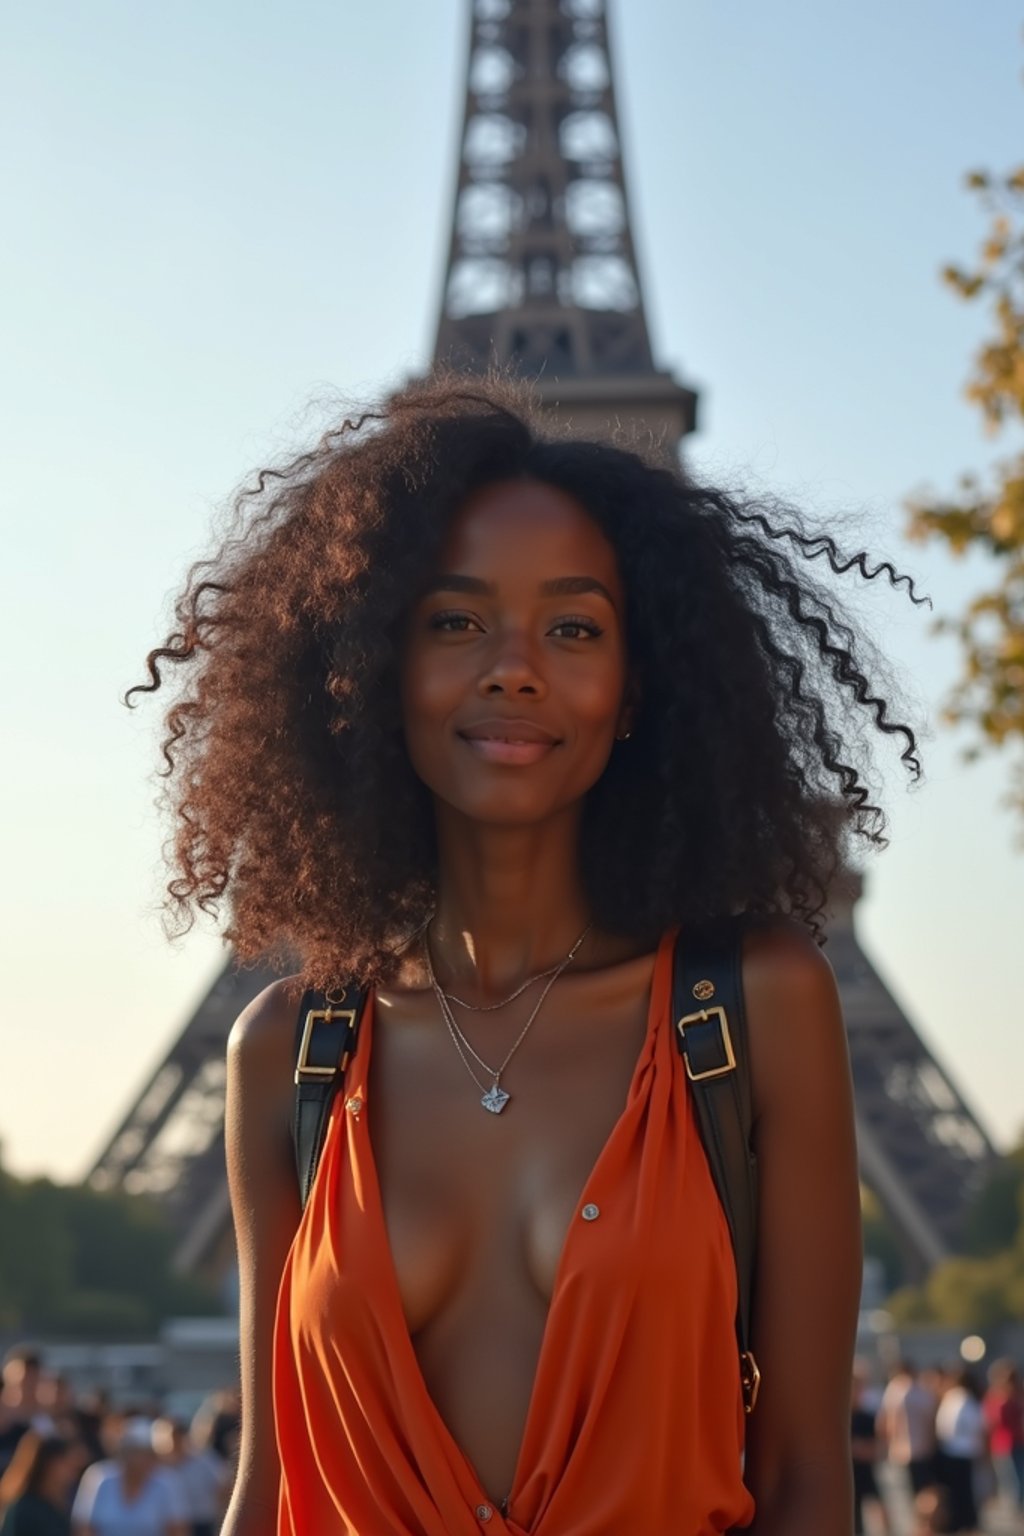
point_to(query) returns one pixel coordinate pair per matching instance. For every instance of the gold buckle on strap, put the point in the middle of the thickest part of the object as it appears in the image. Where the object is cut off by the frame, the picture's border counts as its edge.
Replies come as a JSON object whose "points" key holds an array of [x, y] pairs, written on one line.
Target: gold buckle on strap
{"points": [[704, 1016], [304, 1070], [750, 1377]]}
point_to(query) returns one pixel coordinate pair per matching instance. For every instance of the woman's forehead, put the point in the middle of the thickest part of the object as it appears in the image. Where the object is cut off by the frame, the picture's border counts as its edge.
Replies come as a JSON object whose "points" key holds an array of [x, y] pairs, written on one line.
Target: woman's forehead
{"points": [[526, 520]]}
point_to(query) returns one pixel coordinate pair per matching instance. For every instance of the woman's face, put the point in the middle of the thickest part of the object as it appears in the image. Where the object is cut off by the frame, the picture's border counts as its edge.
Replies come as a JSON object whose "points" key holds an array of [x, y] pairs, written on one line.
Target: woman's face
{"points": [[515, 671]]}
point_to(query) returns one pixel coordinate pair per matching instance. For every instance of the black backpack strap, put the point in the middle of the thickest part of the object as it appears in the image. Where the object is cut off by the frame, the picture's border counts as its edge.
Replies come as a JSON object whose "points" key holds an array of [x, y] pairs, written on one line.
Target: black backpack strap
{"points": [[711, 1032], [325, 1037]]}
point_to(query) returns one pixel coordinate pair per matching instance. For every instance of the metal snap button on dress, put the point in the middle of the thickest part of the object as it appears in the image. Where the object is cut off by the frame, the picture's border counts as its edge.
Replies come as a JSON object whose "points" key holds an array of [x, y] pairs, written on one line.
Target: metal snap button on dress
{"points": [[590, 1212], [484, 1512]]}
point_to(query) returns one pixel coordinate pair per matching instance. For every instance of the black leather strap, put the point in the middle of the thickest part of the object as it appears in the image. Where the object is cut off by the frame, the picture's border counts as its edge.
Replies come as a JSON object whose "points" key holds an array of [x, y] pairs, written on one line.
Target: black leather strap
{"points": [[710, 1028], [325, 1037]]}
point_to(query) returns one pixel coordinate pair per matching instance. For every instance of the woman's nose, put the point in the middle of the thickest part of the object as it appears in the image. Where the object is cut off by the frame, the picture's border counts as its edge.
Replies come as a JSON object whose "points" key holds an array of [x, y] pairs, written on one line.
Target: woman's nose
{"points": [[512, 669]]}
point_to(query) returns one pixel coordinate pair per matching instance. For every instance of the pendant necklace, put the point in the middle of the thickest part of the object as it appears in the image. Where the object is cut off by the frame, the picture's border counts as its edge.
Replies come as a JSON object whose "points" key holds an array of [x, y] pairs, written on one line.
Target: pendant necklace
{"points": [[495, 1097]]}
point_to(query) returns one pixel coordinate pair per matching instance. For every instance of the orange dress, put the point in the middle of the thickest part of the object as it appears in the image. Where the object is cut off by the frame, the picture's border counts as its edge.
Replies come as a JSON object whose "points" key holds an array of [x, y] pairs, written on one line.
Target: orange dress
{"points": [[635, 1422]]}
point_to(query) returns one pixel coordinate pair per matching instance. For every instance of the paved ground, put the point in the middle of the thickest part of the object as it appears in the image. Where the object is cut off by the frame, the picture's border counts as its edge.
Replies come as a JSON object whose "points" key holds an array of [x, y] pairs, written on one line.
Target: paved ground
{"points": [[998, 1519]]}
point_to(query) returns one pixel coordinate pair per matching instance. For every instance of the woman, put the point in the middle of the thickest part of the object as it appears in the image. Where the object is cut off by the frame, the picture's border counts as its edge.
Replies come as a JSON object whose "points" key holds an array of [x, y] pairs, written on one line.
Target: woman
{"points": [[483, 719], [35, 1492], [130, 1496], [963, 1446], [1003, 1406]]}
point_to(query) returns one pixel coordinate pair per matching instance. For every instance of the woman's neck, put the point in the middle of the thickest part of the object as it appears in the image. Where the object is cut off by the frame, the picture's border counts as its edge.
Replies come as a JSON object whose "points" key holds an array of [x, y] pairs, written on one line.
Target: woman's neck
{"points": [[511, 903]]}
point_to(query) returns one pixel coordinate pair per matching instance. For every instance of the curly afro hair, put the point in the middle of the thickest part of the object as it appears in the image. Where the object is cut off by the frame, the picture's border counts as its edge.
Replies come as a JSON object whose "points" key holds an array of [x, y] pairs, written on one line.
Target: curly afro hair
{"points": [[294, 803]]}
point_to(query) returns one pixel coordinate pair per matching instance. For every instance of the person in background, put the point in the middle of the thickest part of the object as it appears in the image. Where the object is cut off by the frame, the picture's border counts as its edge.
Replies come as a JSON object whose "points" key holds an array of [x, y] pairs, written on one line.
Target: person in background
{"points": [[1003, 1406], [866, 1449], [215, 1432], [35, 1490], [202, 1476], [56, 1397], [84, 1424], [225, 1431], [217, 1424], [931, 1512], [962, 1445], [21, 1404], [906, 1426], [934, 1380], [131, 1496]]}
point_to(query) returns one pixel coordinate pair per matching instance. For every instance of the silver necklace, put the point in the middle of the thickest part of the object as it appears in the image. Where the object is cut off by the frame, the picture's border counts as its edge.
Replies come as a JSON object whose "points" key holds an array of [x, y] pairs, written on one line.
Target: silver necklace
{"points": [[495, 1097], [492, 1007], [489, 1007]]}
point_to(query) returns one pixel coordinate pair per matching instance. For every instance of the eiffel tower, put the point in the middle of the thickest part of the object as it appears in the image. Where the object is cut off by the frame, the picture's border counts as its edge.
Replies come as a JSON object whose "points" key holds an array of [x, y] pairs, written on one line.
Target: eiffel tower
{"points": [[542, 276]]}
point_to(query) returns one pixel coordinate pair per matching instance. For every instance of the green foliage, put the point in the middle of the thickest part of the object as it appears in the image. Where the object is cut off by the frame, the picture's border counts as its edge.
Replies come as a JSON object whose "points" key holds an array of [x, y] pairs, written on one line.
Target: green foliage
{"points": [[997, 1214], [104, 1314], [990, 692], [80, 1262], [960, 1293], [986, 1286], [36, 1259], [908, 1305], [880, 1241]]}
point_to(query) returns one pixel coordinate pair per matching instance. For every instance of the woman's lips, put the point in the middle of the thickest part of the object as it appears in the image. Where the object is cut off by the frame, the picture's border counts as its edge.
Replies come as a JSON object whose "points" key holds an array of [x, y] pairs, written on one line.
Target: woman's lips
{"points": [[494, 749]]}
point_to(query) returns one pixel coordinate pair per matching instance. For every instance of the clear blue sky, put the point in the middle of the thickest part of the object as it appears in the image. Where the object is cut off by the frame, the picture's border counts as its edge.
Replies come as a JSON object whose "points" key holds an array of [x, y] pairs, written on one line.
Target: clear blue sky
{"points": [[217, 214]]}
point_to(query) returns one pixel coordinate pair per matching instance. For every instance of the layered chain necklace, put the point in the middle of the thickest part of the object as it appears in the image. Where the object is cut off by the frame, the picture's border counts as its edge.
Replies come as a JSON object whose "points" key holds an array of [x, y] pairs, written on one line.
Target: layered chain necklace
{"points": [[495, 1097]]}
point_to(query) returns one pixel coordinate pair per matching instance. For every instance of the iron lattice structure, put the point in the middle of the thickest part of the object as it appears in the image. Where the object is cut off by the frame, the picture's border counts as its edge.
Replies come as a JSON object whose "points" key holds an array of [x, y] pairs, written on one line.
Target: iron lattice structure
{"points": [[542, 277], [921, 1149], [170, 1144], [542, 273]]}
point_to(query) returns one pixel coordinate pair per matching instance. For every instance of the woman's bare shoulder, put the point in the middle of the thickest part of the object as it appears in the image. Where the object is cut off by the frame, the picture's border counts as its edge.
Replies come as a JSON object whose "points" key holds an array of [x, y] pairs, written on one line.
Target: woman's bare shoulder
{"points": [[261, 1044], [781, 958], [796, 1036]]}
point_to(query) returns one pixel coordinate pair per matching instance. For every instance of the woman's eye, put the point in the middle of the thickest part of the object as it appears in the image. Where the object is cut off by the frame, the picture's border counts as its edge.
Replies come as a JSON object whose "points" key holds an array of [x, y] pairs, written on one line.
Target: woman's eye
{"points": [[585, 628], [451, 623]]}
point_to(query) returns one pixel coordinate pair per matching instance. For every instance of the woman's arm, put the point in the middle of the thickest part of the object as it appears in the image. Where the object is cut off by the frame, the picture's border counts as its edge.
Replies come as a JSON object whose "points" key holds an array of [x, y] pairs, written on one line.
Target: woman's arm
{"points": [[808, 1284], [266, 1209]]}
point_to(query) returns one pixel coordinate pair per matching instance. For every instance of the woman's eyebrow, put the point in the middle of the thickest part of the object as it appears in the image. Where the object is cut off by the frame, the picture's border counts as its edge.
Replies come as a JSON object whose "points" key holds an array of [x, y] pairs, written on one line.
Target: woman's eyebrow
{"points": [[450, 581], [558, 586], [568, 586]]}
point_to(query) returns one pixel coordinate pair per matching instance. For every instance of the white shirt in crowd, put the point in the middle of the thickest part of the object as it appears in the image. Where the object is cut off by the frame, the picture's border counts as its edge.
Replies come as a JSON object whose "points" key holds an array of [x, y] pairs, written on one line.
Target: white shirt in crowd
{"points": [[960, 1424], [101, 1504]]}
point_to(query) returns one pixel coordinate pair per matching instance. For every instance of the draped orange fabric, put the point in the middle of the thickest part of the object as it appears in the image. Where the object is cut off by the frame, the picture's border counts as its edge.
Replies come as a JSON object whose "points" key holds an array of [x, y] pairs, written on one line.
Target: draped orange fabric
{"points": [[635, 1423]]}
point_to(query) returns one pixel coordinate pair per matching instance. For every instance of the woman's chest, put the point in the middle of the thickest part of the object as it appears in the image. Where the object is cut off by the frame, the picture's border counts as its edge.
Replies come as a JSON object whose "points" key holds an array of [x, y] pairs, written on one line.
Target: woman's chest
{"points": [[477, 1206]]}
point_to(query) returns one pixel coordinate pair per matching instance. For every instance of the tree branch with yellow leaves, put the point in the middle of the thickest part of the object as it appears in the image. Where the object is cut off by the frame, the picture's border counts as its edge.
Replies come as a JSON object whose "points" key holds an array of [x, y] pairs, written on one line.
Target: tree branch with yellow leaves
{"points": [[989, 516]]}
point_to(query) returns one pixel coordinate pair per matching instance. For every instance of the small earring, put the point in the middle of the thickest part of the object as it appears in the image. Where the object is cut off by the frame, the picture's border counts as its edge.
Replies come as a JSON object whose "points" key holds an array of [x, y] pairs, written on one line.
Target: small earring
{"points": [[624, 736]]}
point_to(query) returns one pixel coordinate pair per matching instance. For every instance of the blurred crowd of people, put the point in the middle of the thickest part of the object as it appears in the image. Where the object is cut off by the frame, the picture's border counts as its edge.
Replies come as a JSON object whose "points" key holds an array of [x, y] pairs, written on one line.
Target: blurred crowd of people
{"points": [[73, 1463], [958, 1443]]}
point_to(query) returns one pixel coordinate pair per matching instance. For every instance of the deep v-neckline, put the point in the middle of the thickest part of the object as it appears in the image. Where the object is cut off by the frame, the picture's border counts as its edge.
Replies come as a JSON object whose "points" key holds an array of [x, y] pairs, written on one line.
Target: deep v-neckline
{"points": [[375, 1208]]}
